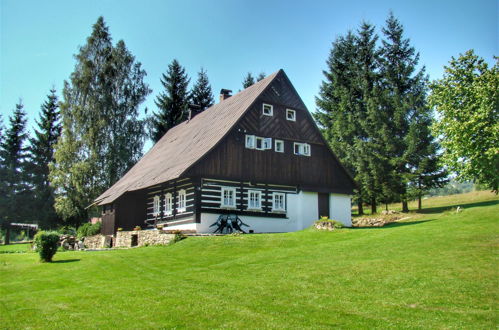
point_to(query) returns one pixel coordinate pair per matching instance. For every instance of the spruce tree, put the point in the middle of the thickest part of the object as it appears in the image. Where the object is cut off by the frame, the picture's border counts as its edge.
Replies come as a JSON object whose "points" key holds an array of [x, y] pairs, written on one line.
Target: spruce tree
{"points": [[102, 135], [16, 192], [403, 93], [248, 80], [173, 102], [201, 93], [260, 76], [42, 154]]}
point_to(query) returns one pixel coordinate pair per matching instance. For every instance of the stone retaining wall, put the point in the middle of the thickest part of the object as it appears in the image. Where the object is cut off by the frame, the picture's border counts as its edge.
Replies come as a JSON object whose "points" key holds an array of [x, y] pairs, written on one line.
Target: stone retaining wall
{"points": [[97, 241], [142, 238]]}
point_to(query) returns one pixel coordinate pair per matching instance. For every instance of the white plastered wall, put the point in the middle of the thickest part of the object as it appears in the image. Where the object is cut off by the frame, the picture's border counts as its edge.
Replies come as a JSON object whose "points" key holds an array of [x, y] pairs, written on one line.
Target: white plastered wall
{"points": [[340, 208]]}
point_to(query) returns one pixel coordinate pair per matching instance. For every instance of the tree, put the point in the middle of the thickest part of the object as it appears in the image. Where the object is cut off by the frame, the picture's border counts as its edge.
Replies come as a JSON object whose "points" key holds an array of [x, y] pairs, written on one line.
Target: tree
{"points": [[404, 99], [102, 135], [173, 102], [260, 76], [466, 100], [42, 154], [201, 93], [248, 80], [342, 105], [16, 191]]}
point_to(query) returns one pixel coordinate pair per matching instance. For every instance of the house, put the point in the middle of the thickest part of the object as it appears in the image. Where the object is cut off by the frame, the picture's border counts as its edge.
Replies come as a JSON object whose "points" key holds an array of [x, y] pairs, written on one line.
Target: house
{"points": [[257, 155]]}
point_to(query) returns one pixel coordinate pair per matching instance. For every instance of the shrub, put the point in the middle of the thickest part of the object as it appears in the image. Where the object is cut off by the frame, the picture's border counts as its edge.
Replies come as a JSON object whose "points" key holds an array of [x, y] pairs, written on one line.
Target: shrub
{"points": [[46, 244], [88, 229], [325, 222], [67, 230], [178, 236]]}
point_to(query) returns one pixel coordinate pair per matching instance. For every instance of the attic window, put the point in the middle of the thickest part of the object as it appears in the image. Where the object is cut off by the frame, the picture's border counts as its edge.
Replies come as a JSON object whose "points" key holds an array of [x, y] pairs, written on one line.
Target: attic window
{"points": [[279, 146], [250, 141], [302, 149], [268, 110], [290, 115], [263, 143]]}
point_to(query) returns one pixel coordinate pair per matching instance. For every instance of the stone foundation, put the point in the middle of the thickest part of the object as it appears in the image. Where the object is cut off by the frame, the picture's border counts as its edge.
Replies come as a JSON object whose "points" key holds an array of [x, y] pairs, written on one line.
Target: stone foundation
{"points": [[142, 238]]}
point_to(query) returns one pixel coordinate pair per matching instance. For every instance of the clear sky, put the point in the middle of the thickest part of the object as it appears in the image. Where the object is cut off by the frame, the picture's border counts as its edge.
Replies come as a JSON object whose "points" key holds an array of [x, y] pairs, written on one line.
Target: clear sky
{"points": [[228, 38]]}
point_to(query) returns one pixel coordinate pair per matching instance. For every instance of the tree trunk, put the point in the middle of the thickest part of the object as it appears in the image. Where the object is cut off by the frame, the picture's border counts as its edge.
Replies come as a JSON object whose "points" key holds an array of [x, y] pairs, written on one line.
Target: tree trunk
{"points": [[7, 234], [405, 207], [373, 206], [386, 207], [419, 195], [360, 207]]}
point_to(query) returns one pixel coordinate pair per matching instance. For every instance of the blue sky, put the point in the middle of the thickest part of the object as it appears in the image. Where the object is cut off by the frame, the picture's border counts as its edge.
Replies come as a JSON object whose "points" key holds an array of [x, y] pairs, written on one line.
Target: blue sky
{"points": [[228, 38]]}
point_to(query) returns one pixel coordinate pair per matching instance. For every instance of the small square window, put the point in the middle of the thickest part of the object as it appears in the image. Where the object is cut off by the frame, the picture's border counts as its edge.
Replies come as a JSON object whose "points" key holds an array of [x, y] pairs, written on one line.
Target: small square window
{"points": [[302, 149], [268, 110], [250, 141], [290, 114], [279, 146]]}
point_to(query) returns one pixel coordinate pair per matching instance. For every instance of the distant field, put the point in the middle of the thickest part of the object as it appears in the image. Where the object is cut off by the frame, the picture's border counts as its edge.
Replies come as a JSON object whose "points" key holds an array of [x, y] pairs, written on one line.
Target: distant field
{"points": [[438, 270]]}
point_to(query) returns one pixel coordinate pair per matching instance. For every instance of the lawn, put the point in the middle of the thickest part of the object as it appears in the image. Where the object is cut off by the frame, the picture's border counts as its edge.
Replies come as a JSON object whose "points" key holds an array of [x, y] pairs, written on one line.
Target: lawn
{"points": [[438, 269]]}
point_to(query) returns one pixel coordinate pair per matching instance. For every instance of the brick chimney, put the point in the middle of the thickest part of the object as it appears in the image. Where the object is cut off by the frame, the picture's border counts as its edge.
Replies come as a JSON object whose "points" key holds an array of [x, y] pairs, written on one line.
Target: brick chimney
{"points": [[225, 94]]}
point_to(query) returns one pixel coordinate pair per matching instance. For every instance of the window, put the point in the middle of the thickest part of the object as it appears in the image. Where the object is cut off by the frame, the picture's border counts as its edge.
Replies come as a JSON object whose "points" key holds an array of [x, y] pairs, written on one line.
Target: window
{"points": [[302, 149], [290, 115], [250, 141], [279, 146], [156, 206], [278, 202], [254, 200], [228, 197], [268, 110], [168, 204], [181, 200], [263, 143]]}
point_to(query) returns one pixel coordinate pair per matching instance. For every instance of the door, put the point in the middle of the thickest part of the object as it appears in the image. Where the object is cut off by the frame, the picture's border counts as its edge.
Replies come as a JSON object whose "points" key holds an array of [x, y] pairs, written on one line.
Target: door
{"points": [[323, 199]]}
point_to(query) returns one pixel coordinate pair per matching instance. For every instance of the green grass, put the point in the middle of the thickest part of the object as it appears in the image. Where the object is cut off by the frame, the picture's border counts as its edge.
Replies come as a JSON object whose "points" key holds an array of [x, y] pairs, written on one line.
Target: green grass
{"points": [[438, 271], [17, 247]]}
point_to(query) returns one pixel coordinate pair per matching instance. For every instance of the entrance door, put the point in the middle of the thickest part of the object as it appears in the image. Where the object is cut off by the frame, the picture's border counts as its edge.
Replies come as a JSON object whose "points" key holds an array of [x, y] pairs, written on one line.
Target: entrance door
{"points": [[323, 205]]}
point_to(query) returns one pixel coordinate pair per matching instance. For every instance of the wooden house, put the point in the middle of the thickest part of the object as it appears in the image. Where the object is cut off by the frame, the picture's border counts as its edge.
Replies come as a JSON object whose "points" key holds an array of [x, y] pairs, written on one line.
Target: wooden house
{"points": [[257, 155]]}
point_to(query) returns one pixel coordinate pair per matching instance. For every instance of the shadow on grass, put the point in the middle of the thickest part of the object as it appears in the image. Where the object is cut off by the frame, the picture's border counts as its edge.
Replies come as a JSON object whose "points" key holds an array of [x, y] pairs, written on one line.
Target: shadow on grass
{"points": [[64, 261], [440, 209], [395, 224]]}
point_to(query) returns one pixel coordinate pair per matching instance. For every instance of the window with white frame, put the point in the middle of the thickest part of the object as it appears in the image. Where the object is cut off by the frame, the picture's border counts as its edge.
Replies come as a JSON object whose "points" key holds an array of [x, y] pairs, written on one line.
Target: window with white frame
{"points": [[302, 149], [168, 204], [181, 199], [262, 143], [278, 202], [279, 146], [156, 206], [254, 200], [290, 114], [228, 197], [268, 109], [250, 141]]}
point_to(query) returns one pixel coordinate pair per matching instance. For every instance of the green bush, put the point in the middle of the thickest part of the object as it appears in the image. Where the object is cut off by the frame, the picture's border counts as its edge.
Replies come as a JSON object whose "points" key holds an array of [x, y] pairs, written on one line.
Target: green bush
{"points": [[88, 229], [67, 230], [334, 223], [46, 244]]}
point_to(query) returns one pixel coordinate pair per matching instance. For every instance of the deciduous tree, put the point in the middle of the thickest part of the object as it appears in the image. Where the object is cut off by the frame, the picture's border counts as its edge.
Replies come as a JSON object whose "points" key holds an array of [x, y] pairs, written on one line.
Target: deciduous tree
{"points": [[467, 102]]}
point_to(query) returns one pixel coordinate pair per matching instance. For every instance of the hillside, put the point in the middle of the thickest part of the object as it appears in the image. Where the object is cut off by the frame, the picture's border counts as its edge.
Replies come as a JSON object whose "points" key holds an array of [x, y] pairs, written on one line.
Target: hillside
{"points": [[435, 270]]}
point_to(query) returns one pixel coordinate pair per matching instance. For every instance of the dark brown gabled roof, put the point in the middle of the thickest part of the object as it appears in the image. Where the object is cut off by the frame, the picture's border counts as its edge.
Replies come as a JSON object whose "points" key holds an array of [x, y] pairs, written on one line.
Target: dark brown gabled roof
{"points": [[186, 143]]}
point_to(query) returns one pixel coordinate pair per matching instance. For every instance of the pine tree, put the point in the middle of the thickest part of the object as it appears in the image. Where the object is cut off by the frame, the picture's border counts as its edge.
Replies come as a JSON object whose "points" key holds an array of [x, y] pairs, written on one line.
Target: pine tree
{"points": [[201, 93], [404, 97], [15, 197], [42, 154], [260, 76], [101, 133], [248, 80], [173, 102]]}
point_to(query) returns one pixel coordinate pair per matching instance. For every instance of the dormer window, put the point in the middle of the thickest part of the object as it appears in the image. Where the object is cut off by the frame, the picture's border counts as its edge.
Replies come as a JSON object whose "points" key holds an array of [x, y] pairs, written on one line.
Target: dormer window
{"points": [[302, 149], [268, 110], [290, 115]]}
